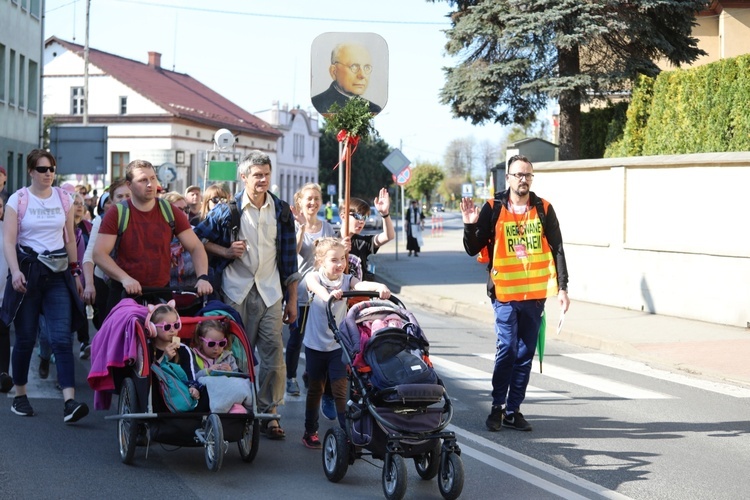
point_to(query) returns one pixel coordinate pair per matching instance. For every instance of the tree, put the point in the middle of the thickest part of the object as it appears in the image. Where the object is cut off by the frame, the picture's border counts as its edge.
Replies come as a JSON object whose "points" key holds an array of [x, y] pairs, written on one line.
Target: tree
{"points": [[368, 173], [459, 157], [518, 54], [424, 179]]}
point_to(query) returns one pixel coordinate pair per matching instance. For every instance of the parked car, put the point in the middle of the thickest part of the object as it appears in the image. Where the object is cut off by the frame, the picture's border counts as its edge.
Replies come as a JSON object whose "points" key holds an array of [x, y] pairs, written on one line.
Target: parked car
{"points": [[438, 207], [374, 220]]}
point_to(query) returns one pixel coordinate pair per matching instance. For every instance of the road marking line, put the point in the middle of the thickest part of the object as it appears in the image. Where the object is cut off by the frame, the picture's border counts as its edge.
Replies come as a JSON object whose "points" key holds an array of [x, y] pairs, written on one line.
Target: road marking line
{"points": [[677, 378], [483, 380], [525, 475], [600, 384]]}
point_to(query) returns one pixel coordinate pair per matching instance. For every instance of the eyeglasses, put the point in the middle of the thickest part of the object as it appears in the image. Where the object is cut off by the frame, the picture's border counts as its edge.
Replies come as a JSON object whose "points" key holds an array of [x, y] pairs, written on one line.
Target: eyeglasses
{"points": [[169, 326], [44, 170], [519, 176], [213, 343], [356, 68], [357, 216], [216, 200]]}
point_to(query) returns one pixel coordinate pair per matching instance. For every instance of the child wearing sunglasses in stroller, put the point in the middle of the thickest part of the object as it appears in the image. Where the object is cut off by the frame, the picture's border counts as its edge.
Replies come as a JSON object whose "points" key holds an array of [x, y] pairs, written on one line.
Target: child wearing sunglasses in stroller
{"points": [[216, 368]]}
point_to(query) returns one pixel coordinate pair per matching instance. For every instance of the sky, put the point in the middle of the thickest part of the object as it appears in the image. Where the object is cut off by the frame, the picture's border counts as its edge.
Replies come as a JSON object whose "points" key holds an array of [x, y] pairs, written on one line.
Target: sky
{"points": [[257, 52]]}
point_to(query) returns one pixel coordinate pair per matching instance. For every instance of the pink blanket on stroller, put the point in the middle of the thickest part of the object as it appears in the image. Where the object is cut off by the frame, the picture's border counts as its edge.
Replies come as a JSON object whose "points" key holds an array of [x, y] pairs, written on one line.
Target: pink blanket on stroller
{"points": [[114, 346]]}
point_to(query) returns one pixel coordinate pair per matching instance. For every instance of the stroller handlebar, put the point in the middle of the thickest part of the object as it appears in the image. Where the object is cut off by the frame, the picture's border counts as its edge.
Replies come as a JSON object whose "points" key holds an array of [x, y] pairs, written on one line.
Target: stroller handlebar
{"points": [[357, 293]]}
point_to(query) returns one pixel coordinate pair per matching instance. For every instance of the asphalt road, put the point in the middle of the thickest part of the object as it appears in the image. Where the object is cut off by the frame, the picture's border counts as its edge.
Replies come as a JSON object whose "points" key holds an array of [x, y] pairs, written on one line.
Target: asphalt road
{"points": [[604, 427]]}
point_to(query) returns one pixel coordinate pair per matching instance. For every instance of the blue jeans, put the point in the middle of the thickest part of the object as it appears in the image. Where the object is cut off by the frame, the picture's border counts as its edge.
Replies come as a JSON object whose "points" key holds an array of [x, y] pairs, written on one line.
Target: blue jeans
{"points": [[517, 329], [294, 343], [52, 299]]}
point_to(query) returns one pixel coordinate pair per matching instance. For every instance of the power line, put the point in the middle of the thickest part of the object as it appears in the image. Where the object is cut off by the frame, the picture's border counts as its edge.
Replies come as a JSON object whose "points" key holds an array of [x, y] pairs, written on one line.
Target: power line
{"points": [[279, 16]]}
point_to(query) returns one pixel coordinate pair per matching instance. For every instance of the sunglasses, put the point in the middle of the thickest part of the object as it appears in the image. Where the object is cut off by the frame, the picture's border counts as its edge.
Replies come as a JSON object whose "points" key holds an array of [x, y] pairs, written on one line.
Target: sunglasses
{"points": [[44, 170], [357, 216], [213, 343], [217, 200], [169, 326]]}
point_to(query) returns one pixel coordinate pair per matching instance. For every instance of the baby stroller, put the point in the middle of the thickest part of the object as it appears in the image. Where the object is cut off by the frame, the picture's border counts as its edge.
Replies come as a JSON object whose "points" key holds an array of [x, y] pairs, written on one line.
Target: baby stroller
{"points": [[394, 411], [143, 416]]}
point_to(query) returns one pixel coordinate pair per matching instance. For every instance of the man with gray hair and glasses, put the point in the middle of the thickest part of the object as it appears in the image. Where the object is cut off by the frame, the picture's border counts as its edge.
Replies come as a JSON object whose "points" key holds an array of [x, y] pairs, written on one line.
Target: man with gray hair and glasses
{"points": [[259, 272], [351, 67]]}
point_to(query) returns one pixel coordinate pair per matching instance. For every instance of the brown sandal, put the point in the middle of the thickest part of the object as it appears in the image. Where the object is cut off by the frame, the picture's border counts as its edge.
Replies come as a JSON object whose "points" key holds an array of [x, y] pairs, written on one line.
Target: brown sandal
{"points": [[273, 431]]}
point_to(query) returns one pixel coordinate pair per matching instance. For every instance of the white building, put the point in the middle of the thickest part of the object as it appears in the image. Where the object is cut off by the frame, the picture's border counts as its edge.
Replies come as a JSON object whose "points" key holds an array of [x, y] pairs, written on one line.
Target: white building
{"points": [[297, 150], [150, 113], [20, 85]]}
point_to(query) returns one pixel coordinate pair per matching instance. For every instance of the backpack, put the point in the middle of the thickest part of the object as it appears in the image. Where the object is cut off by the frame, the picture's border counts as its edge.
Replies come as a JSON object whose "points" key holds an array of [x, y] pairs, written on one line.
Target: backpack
{"points": [[123, 217], [173, 386], [23, 203]]}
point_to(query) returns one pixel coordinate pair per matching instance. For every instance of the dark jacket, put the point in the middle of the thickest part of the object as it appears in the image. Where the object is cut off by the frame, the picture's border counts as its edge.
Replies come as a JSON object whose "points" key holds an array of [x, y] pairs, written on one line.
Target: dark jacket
{"points": [[324, 100], [32, 269], [480, 235]]}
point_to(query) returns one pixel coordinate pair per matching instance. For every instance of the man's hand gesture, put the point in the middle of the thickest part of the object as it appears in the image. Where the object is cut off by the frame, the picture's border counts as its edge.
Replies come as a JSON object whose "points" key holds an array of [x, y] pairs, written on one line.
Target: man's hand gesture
{"points": [[469, 211]]}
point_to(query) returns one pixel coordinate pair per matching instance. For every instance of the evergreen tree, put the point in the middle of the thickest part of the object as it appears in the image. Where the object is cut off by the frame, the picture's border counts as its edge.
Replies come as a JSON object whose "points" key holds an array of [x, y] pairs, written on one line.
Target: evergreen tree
{"points": [[517, 54]]}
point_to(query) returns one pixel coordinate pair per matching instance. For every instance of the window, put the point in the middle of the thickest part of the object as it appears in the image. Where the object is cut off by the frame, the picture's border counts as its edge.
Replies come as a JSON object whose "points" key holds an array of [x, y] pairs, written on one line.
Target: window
{"points": [[21, 81], [76, 100], [119, 162], [299, 145], [33, 96], [2, 72], [123, 104], [12, 78], [34, 9]]}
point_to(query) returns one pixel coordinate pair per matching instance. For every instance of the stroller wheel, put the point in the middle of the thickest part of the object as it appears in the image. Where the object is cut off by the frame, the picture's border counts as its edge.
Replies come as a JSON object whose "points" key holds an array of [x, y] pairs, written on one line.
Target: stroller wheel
{"points": [[127, 429], [394, 477], [427, 464], [335, 454], [451, 476], [249, 441], [214, 444]]}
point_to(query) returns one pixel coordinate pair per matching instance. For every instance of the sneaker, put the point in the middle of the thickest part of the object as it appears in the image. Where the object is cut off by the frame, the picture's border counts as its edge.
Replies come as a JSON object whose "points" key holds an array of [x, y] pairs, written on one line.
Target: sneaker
{"points": [[516, 421], [292, 387], [21, 406], [312, 441], [495, 421], [328, 407], [85, 350], [6, 382], [74, 411], [43, 368]]}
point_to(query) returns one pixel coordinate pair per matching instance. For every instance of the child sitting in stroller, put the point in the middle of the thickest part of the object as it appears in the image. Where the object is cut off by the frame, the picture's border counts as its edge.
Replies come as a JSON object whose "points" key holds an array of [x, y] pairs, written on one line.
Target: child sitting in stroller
{"points": [[216, 368], [322, 352]]}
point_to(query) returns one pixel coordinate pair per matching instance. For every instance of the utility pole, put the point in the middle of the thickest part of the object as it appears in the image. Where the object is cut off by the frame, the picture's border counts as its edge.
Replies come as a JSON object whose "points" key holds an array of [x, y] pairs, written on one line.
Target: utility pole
{"points": [[86, 68]]}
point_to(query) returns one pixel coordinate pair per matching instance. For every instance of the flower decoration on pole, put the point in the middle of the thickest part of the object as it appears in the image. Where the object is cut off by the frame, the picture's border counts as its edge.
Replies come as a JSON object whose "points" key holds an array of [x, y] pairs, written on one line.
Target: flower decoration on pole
{"points": [[354, 122]]}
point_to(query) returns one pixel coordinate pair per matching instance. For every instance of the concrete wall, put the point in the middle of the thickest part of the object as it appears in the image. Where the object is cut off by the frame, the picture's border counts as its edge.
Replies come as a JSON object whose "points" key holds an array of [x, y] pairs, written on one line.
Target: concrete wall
{"points": [[663, 234]]}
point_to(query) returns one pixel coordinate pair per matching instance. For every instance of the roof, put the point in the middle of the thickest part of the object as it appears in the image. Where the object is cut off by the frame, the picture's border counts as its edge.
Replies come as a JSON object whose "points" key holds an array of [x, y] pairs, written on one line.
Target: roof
{"points": [[531, 139], [177, 93]]}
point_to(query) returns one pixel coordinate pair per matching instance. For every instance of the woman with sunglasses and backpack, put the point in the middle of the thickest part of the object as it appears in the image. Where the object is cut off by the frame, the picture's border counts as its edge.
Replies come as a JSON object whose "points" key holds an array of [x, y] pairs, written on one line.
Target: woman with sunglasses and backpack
{"points": [[44, 279]]}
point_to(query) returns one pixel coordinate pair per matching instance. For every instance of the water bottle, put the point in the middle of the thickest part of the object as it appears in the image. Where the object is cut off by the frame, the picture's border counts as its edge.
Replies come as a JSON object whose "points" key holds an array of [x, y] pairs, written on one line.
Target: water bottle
{"points": [[89, 312]]}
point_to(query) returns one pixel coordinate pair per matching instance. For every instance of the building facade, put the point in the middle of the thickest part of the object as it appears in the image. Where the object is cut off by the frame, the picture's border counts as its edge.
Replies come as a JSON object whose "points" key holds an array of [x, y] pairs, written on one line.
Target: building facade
{"points": [[21, 37], [298, 148], [151, 113]]}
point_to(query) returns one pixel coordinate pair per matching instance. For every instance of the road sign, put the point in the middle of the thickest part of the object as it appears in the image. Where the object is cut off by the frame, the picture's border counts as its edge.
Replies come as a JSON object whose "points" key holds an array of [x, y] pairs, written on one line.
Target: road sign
{"points": [[331, 189], [396, 162], [403, 177], [467, 190]]}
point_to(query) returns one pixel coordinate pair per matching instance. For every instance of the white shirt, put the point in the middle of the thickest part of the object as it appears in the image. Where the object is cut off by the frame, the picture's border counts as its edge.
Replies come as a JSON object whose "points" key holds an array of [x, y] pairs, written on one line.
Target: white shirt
{"points": [[42, 224], [88, 255], [257, 266]]}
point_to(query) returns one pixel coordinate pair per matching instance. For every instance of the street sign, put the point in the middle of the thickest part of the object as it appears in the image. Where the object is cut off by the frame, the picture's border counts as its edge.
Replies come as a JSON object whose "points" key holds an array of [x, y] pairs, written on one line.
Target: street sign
{"points": [[467, 190], [331, 189], [403, 177], [396, 162]]}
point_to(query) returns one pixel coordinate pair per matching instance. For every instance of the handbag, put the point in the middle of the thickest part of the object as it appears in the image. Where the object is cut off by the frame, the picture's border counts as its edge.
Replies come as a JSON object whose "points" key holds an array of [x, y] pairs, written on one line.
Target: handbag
{"points": [[56, 261], [173, 385]]}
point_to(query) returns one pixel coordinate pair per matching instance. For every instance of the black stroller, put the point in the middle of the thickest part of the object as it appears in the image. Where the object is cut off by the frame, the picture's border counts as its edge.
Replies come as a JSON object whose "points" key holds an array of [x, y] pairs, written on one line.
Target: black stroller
{"points": [[394, 411], [143, 417]]}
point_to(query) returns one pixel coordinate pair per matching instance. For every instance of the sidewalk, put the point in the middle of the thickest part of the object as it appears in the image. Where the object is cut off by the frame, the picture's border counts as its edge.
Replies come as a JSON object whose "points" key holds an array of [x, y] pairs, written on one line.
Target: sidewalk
{"points": [[443, 277]]}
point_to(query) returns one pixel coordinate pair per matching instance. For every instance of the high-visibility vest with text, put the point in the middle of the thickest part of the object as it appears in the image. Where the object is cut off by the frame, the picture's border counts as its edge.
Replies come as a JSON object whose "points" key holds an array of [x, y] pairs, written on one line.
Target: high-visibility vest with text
{"points": [[522, 263]]}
